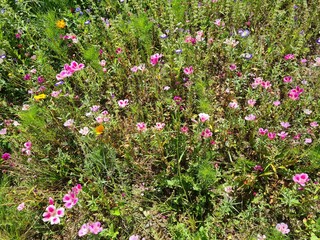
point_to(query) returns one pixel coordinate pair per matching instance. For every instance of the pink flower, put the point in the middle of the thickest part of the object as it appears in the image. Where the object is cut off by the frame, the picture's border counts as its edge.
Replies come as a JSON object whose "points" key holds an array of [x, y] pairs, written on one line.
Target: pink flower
{"points": [[203, 117], [134, 237], [233, 67], [206, 133], [28, 145], [266, 84], [282, 135], [21, 206], [285, 124], [288, 56], [123, 103], [188, 70], [95, 228], [287, 79], [25, 107], [51, 201], [276, 103], [53, 215], [75, 66], [166, 88], [233, 104], [184, 129], [141, 126], [118, 50], [283, 228], [250, 117], [219, 23], [3, 131], [314, 124], [55, 94], [102, 63], [83, 230], [271, 135], [154, 59], [70, 199], [297, 137], [190, 39], [263, 131], [251, 102], [69, 123], [301, 179], [99, 119], [134, 69], [159, 126]]}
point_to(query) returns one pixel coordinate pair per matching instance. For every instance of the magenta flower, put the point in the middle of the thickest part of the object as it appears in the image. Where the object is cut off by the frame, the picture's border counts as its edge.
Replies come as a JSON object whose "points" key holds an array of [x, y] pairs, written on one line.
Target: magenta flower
{"points": [[203, 117], [297, 137], [53, 215], [258, 168], [287, 79], [283, 228], [118, 50], [184, 129], [141, 126], [123, 103], [70, 199], [6, 156], [233, 67], [190, 39], [75, 66], [154, 59], [188, 70], [294, 94], [266, 84], [288, 56], [263, 131], [301, 179], [27, 77], [272, 135], [177, 99], [206, 133]]}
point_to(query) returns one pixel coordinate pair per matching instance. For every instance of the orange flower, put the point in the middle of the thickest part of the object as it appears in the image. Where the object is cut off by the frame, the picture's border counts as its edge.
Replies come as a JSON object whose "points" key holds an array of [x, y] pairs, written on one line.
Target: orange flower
{"points": [[61, 24], [99, 130]]}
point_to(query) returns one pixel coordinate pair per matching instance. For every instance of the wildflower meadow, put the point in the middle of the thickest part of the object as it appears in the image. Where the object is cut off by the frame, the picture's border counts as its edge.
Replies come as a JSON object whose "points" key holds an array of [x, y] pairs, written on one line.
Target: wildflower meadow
{"points": [[159, 119]]}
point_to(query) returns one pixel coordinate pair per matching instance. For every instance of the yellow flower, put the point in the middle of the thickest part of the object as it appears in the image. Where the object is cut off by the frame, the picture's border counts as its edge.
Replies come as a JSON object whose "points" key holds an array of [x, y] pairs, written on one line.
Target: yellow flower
{"points": [[40, 96], [99, 130], [61, 24]]}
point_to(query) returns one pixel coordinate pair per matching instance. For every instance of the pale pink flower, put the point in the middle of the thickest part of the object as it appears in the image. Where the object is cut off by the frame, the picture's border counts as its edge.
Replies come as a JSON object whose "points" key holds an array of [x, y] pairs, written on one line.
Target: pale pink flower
{"points": [[233, 104], [84, 131], [251, 102], [95, 228], [285, 124], [103, 63], [219, 22], [142, 67], [314, 124], [166, 88], [250, 117], [206, 133], [317, 63], [104, 69], [34, 71], [228, 189], [83, 230], [25, 107], [188, 70], [159, 126], [283, 228], [261, 237], [203, 117], [141, 126], [55, 94], [69, 123], [99, 119], [307, 111], [276, 103], [154, 59], [123, 103], [134, 237], [282, 135], [301, 179], [104, 112], [21, 206], [3, 131], [308, 140], [95, 108]]}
